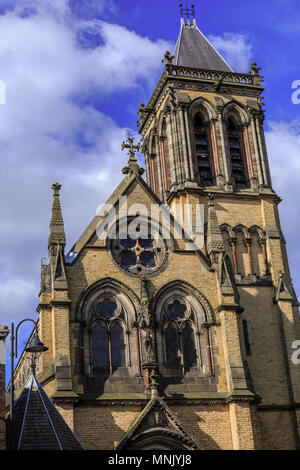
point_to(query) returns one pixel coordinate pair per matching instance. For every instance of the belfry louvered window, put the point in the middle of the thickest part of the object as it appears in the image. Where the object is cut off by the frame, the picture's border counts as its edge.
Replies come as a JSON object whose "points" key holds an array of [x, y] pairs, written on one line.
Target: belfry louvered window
{"points": [[204, 160], [237, 153]]}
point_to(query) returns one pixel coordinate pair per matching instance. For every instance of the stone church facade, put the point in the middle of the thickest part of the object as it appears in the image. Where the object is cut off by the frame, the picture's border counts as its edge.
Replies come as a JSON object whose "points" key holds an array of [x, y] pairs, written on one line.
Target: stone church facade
{"points": [[154, 344]]}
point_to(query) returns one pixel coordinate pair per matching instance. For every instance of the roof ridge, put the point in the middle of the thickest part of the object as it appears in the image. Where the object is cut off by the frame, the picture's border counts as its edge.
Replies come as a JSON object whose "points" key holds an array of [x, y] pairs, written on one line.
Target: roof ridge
{"points": [[202, 34], [48, 415], [26, 409]]}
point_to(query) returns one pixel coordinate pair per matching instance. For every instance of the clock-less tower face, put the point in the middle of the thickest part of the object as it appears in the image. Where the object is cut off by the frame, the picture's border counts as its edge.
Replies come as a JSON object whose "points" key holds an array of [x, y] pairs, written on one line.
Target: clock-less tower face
{"points": [[139, 250]]}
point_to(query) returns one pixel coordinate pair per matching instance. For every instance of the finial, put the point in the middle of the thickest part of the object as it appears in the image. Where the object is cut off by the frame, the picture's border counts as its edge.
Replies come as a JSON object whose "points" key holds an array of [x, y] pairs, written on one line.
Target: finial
{"points": [[133, 166], [257, 78], [187, 12], [254, 69], [57, 232], [168, 58], [211, 199], [56, 187]]}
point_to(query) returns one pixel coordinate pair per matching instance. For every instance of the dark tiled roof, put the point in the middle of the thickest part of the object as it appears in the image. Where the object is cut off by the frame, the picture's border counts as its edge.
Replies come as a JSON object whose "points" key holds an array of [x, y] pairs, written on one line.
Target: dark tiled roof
{"points": [[194, 50], [38, 424]]}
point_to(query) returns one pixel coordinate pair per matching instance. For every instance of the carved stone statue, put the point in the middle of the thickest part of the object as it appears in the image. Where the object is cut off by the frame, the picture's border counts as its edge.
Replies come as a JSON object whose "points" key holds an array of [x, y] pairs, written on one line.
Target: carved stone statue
{"points": [[168, 58], [149, 346], [254, 69]]}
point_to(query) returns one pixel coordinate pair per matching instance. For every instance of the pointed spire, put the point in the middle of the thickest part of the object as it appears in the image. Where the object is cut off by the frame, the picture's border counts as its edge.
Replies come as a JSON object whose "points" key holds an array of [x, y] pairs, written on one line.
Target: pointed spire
{"points": [[57, 231], [214, 242], [193, 49]]}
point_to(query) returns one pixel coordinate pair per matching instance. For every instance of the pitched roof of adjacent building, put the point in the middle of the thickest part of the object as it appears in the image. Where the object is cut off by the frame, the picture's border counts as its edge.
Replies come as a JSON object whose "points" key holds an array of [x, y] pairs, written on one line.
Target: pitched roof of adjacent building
{"points": [[38, 424], [193, 49]]}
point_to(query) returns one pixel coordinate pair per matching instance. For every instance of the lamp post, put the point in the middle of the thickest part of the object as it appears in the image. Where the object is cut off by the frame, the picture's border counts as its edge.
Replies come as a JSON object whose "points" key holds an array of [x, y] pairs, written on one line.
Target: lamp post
{"points": [[35, 346]]}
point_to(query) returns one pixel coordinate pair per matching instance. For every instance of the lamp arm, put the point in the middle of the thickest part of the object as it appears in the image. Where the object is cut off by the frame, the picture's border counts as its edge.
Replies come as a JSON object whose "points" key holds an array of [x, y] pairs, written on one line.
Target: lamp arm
{"points": [[16, 334]]}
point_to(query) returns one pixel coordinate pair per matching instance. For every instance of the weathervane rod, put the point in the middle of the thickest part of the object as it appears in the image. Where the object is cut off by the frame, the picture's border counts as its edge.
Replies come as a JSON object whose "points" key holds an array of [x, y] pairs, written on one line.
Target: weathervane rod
{"points": [[187, 12]]}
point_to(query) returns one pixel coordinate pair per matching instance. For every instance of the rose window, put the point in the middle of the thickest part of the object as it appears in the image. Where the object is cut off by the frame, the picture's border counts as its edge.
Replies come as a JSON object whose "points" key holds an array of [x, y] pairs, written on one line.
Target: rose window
{"points": [[140, 255]]}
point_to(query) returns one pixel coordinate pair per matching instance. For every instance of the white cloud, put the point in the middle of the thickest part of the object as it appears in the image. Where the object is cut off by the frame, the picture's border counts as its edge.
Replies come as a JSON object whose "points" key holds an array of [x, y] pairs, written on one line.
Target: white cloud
{"points": [[16, 295], [46, 135], [235, 48], [283, 141]]}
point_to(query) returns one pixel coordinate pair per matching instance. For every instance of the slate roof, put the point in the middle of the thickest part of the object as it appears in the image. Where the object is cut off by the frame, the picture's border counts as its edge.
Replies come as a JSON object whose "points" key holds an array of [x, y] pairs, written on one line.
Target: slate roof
{"points": [[194, 50], [37, 423]]}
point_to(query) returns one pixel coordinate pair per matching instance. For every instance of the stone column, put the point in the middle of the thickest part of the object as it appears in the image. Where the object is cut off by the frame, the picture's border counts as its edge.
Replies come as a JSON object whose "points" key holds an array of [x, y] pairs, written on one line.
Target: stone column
{"points": [[262, 153], [148, 175], [253, 179], [186, 172], [228, 183], [189, 144], [172, 150], [3, 334], [219, 177], [257, 157], [162, 140]]}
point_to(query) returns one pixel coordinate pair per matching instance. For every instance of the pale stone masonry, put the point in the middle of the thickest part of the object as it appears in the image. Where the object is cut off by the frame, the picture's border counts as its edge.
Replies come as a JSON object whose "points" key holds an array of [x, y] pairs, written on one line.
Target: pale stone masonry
{"points": [[156, 346], [4, 331]]}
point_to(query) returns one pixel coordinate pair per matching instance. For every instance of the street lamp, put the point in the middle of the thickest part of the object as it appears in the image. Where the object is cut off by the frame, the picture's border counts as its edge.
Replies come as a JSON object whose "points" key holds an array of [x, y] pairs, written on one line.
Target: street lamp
{"points": [[35, 346]]}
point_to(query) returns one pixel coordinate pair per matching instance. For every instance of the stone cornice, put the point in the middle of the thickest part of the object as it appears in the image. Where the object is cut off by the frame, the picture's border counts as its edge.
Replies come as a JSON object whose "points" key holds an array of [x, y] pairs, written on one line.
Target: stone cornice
{"points": [[219, 193], [232, 83], [218, 399], [230, 307], [60, 303]]}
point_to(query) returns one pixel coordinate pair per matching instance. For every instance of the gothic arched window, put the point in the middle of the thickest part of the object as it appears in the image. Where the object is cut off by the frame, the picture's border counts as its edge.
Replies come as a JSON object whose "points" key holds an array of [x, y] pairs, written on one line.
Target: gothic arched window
{"points": [[107, 336], [179, 332], [237, 153], [203, 151]]}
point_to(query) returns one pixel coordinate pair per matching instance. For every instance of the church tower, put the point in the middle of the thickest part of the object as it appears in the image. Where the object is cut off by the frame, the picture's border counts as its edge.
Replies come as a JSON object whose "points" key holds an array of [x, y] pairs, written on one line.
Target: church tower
{"points": [[158, 343]]}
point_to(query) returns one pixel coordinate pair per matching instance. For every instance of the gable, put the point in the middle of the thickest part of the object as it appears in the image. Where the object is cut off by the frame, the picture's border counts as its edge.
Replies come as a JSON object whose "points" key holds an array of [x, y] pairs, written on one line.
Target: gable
{"points": [[157, 426], [133, 196]]}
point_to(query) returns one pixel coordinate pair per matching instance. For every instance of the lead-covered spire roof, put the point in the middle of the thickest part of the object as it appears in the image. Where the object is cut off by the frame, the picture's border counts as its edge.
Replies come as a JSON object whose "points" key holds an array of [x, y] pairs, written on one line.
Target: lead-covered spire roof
{"points": [[193, 49]]}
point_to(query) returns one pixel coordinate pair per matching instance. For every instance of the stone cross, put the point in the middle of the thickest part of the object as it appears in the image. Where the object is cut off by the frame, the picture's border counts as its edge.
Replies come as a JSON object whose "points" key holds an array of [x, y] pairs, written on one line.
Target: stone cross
{"points": [[132, 148]]}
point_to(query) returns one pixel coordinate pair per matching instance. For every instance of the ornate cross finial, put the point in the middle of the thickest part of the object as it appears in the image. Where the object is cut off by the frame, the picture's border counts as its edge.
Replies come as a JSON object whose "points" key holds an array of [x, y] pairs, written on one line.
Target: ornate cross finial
{"points": [[130, 145], [133, 166], [187, 11]]}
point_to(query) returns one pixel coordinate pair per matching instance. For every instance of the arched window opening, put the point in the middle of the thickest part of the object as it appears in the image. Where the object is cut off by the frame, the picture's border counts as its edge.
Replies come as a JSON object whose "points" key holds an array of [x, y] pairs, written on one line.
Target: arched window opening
{"points": [[242, 255], [108, 338], [237, 153], [179, 333], [203, 151], [117, 346], [258, 255], [189, 347], [172, 346]]}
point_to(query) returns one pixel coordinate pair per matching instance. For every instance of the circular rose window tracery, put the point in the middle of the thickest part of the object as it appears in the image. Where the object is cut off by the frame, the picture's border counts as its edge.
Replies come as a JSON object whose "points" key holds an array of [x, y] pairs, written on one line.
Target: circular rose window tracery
{"points": [[143, 255]]}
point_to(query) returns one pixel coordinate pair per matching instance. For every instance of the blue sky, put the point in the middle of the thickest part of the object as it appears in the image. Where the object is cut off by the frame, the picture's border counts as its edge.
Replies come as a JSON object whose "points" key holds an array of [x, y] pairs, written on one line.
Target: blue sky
{"points": [[76, 72]]}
